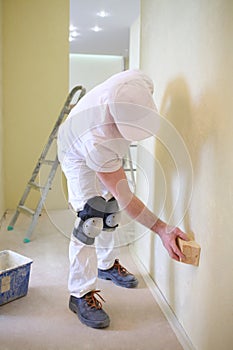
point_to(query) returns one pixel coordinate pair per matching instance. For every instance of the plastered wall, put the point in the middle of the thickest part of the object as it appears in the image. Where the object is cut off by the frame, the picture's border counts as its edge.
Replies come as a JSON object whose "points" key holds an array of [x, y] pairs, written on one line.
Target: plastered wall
{"points": [[35, 83], [2, 204], [186, 47]]}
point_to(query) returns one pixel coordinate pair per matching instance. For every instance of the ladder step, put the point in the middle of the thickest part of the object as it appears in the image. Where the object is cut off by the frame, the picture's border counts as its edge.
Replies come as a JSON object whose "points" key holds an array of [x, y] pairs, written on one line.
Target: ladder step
{"points": [[26, 209], [35, 186], [67, 110], [47, 161]]}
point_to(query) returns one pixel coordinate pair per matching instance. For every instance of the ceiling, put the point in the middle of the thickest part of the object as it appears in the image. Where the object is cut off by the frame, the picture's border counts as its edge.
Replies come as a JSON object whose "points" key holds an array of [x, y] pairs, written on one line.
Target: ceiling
{"points": [[113, 39]]}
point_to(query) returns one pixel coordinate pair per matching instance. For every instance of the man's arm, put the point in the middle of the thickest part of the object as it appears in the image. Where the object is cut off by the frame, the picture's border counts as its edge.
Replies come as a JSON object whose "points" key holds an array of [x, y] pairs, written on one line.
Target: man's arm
{"points": [[116, 182]]}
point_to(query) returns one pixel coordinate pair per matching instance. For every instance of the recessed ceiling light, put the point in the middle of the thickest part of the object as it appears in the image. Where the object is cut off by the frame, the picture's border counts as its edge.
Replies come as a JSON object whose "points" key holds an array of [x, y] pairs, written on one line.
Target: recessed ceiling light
{"points": [[74, 34], [72, 28], [96, 29], [102, 14]]}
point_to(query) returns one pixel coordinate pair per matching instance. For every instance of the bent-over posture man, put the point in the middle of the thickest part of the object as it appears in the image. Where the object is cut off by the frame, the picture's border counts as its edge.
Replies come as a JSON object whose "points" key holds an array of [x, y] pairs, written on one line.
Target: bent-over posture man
{"points": [[92, 143]]}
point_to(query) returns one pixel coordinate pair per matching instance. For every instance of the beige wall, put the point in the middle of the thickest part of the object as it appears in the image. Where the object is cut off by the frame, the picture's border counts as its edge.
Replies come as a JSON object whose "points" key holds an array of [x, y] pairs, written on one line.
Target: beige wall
{"points": [[2, 203], [186, 47], [35, 83]]}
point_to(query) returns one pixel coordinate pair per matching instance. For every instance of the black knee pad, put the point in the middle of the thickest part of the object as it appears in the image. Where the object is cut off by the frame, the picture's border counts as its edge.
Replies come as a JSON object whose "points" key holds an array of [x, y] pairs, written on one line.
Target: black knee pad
{"points": [[97, 215], [112, 215]]}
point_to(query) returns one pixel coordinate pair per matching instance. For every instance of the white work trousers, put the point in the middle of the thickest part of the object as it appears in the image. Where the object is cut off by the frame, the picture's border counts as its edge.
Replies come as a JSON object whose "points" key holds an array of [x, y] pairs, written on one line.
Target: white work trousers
{"points": [[85, 260]]}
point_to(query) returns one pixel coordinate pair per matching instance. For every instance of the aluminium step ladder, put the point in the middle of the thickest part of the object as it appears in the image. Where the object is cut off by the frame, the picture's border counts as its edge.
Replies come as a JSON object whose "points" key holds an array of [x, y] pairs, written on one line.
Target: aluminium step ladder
{"points": [[53, 164]]}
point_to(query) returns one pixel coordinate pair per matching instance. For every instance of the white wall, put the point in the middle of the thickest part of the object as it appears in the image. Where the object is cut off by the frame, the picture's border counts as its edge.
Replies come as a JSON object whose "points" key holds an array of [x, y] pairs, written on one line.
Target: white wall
{"points": [[134, 45], [186, 47], [91, 70]]}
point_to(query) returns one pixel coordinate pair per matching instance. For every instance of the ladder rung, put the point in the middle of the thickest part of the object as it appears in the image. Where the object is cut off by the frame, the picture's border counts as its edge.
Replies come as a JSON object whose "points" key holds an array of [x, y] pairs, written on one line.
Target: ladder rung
{"points": [[26, 209], [47, 161], [35, 186], [67, 110]]}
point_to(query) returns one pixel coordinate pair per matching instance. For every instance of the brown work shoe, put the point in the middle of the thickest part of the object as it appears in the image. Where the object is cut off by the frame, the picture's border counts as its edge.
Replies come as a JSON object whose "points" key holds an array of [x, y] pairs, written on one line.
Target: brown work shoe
{"points": [[89, 310], [119, 275]]}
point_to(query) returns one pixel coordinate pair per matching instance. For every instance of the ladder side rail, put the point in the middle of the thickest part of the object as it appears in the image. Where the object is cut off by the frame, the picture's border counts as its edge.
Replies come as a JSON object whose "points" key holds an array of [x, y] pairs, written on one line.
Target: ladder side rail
{"points": [[131, 169], [55, 129], [65, 110], [17, 212], [67, 107], [13, 220], [41, 201]]}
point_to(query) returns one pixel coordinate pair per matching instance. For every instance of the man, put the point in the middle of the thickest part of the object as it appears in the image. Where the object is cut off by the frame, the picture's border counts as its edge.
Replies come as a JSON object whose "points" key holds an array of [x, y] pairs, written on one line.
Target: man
{"points": [[91, 145]]}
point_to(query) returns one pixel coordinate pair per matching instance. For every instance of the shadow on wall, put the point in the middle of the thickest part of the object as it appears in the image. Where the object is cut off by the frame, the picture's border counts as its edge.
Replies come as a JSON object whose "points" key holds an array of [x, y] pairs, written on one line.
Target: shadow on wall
{"points": [[177, 109]]}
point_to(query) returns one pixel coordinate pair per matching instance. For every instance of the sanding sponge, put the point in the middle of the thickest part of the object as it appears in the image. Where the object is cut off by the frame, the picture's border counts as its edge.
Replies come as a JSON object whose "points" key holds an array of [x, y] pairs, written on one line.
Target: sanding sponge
{"points": [[191, 250]]}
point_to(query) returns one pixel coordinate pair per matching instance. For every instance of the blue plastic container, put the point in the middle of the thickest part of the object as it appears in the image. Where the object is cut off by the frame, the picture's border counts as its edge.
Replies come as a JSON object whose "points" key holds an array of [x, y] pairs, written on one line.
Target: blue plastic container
{"points": [[14, 276]]}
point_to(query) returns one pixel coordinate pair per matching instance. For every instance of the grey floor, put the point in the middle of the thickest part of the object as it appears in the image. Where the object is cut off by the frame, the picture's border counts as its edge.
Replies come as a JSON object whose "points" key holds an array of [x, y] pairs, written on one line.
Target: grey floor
{"points": [[42, 320]]}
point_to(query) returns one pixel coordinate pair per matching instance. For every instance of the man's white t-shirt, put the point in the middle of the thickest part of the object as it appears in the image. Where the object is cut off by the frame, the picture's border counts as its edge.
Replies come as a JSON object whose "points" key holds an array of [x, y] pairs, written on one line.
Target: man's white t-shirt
{"points": [[100, 128]]}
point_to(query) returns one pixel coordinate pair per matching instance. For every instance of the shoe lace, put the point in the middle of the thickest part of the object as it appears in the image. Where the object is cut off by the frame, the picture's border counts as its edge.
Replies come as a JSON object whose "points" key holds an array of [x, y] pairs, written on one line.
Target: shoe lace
{"points": [[121, 269], [92, 301]]}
